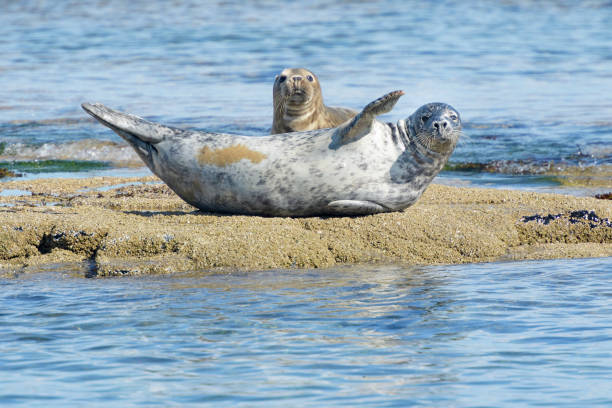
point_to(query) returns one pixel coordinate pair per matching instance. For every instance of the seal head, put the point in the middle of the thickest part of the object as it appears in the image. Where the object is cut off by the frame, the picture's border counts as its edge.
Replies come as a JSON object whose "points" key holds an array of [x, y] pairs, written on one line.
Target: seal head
{"points": [[435, 126], [299, 88], [298, 103]]}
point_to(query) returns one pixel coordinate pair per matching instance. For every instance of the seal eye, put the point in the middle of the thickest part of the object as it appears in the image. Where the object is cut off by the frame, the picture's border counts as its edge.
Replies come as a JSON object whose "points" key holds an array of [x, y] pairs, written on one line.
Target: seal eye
{"points": [[425, 118], [281, 79], [453, 116], [310, 78]]}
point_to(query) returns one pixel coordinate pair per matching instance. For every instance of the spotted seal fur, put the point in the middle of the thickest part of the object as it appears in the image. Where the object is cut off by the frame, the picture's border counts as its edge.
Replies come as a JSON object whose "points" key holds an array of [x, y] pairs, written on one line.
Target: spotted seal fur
{"points": [[298, 103], [361, 167]]}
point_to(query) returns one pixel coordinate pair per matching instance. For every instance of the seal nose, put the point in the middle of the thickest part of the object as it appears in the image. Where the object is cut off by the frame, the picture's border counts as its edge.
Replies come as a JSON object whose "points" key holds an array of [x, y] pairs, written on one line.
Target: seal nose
{"points": [[441, 125], [296, 78]]}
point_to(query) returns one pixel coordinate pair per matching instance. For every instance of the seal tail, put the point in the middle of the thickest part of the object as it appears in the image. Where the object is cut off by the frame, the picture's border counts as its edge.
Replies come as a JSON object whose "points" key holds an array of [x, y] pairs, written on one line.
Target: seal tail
{"points": [[141, 134], [128, 126]]}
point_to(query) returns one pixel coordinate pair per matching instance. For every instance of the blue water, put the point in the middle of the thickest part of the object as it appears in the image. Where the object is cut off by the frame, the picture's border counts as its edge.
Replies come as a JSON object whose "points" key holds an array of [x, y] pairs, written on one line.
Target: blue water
{"points": [[487, 335], [531, 79]]}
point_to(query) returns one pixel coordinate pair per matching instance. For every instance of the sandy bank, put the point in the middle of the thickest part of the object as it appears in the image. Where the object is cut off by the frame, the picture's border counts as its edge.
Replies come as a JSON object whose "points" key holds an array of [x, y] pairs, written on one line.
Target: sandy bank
{"points": [[143, 227]]}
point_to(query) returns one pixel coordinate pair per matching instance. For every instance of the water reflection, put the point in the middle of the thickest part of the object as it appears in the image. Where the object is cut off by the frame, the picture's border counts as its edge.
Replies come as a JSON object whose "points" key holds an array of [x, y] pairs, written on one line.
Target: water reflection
{"points": [[485, 334]]}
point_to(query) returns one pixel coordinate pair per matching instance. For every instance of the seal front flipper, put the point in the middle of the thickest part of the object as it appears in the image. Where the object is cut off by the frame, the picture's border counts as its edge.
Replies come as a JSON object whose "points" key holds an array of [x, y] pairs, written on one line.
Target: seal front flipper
{"points": [[355, 207], [362, 123]]}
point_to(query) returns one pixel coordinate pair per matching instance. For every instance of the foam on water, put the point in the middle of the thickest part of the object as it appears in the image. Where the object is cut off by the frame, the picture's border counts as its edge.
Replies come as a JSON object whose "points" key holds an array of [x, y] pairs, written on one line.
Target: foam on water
{"points": [[86, 150]]}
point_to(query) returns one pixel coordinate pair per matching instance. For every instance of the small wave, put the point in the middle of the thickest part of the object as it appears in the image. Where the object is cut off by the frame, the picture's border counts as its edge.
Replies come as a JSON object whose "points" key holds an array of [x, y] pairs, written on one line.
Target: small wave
{"points": [[595, 151], [117, 154], [531, 167], [55, 121], [515, 167], [11, 169], [486, 126], [568, 174]]}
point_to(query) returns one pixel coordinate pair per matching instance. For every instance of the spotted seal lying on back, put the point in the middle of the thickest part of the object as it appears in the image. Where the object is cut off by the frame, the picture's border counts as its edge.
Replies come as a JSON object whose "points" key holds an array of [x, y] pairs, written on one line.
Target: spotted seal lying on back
{"points": [[298, 104], [361, 167]]}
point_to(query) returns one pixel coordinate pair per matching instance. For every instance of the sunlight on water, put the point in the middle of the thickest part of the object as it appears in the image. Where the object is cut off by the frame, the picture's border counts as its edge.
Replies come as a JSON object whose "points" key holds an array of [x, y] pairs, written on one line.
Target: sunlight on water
{"points": [[528, 77]]}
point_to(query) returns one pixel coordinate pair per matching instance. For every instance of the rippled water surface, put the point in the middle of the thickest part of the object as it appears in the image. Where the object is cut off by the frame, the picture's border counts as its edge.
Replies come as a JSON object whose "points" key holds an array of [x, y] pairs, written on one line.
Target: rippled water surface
{"points": [[531, 79], [495, 335]]}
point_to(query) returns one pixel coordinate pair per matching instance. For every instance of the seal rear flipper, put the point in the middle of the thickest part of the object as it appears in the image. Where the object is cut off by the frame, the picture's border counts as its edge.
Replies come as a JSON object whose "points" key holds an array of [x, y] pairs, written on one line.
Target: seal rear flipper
{"points": [[361, 124], [355, 207], [126, 124]]}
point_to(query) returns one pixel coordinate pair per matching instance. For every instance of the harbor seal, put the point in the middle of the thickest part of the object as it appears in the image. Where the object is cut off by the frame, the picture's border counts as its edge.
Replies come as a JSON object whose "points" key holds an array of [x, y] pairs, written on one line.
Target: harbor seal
{"points": [[361, 167], [298, 104]]}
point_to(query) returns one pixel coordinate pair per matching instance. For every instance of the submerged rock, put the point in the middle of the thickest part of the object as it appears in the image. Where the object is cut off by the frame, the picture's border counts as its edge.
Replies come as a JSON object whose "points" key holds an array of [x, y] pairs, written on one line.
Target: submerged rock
{"points": [[604, 196]]}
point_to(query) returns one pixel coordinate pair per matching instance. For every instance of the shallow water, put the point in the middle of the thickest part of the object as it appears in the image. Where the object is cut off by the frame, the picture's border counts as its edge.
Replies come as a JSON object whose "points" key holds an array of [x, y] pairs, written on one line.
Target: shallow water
{"points": [[497, 335], [529, 78]]}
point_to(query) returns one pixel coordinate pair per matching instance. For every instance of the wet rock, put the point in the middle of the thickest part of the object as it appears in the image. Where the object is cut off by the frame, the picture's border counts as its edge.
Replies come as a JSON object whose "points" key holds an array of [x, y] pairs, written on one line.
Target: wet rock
{"points": [[577, 226], [139, 226]]}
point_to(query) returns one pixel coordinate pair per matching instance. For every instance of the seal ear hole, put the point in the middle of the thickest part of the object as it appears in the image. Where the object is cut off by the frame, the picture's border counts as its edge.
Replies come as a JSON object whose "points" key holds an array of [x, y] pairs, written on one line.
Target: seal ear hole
{"points": [[282, 78], [310, 78]]}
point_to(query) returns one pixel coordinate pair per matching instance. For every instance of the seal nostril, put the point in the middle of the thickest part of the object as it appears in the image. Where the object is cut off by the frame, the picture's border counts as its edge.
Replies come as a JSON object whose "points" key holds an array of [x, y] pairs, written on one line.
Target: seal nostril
{"points": [[436, 125]]}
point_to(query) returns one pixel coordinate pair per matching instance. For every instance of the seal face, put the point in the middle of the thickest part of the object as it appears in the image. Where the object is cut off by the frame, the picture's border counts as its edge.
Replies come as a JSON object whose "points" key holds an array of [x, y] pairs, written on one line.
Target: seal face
{"points": [[298, 103], [360, 167]]}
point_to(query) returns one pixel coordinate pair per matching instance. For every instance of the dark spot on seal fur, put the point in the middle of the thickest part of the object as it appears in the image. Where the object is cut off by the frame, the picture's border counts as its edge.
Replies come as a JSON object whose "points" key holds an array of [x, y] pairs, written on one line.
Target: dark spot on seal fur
{"points": [[316, 172]]}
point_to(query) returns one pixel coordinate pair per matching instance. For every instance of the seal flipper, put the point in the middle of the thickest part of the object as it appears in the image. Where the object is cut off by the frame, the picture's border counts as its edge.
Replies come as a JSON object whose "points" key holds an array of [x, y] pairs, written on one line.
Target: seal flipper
{"points": [[141, 134], [355, 207], [361, 124], [125, 123]]}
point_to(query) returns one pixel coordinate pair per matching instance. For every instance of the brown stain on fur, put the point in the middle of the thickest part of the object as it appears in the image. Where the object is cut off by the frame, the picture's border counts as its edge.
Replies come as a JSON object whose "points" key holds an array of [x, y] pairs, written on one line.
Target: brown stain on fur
{"points": [[228, 155]]}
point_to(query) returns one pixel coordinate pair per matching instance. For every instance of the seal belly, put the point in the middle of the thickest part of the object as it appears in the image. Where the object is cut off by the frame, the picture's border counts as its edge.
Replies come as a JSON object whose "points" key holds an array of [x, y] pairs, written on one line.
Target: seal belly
{"points": [[283, 177]]}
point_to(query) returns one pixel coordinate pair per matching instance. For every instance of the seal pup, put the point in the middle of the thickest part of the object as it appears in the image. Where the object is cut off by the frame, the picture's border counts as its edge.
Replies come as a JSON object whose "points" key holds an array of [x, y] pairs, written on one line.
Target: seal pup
{"points": [[298, 104], [361, 167]]}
